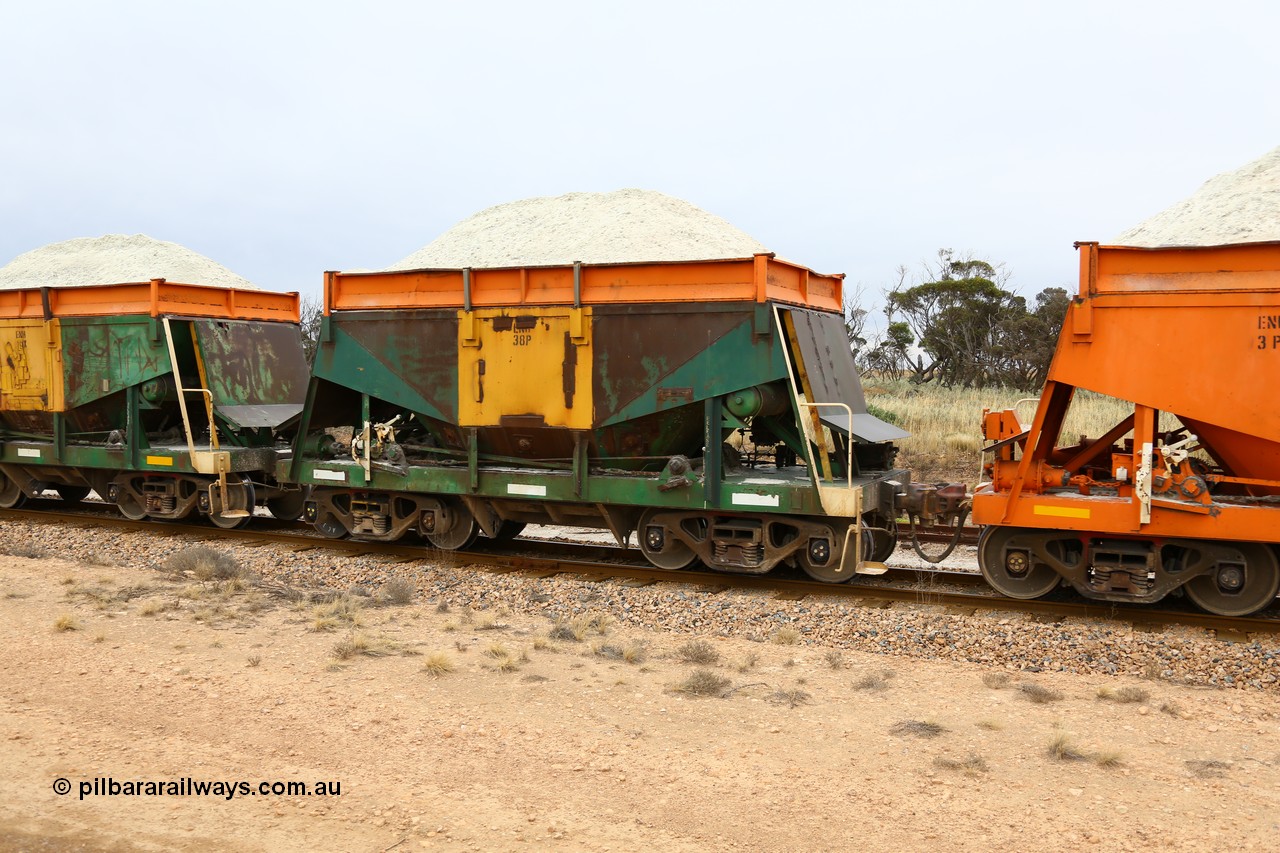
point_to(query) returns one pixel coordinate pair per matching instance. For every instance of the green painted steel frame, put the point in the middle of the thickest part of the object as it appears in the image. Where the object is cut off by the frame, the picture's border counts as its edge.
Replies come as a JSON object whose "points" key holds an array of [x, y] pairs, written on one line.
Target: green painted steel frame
{"points": [[755, 489]]}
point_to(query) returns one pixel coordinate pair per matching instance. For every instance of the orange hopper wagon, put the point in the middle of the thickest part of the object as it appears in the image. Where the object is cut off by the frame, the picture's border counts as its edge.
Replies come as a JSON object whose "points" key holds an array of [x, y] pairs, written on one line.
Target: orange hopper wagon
{"points": [[1183, 494]]}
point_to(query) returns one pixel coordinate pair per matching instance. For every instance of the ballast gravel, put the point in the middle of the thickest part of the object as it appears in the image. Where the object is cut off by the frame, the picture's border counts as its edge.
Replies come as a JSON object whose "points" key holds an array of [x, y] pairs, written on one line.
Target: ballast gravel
{"points": [[115, 259], [918, 630]]}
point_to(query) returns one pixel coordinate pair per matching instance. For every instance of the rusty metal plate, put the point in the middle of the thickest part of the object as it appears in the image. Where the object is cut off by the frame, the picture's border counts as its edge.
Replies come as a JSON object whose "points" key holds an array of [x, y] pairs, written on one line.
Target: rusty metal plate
{"points": [[256, 371], [828, 361]]}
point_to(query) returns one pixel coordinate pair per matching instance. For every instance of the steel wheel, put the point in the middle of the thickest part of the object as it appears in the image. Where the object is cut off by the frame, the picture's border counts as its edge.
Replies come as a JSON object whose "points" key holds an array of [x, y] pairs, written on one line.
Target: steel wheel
{"points": [[1011, 568], [288, 506], [71, 494], [327, 525], [882, 544], [101, 483], [229, 522], [233, 522], [11, 494], [509, 530], [821, 556], [660, 547], [129, 506], [462, 533], [1230, 589]]}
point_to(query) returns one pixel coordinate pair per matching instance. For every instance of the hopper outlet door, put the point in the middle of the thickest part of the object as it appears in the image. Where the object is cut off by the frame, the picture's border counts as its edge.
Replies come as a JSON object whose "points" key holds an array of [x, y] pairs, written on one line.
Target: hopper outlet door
{"points": [[30, 366], [255, 371], [825, 373], [529, 363]]}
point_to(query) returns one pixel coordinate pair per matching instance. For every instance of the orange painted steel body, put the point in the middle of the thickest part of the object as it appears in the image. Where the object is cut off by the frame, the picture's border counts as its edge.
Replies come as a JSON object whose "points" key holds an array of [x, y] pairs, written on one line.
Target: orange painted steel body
{"points": [[761, 278], [1190, 331], [155, 298]]}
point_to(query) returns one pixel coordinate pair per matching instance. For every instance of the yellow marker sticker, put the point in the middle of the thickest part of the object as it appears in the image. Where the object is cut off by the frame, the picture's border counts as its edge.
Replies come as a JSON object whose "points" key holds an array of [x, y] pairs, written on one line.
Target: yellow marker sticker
{"points": [[160, 460], [1062, 511]]}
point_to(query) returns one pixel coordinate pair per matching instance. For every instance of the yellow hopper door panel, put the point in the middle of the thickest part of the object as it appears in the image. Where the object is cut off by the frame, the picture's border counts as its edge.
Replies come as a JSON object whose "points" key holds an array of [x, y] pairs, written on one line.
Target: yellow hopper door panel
{"points": [[525, 362], [30, 366]]}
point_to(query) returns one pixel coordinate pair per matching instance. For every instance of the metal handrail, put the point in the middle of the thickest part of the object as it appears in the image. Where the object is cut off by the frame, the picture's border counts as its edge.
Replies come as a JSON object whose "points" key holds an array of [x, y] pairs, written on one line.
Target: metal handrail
{"points": [[848, 468]]}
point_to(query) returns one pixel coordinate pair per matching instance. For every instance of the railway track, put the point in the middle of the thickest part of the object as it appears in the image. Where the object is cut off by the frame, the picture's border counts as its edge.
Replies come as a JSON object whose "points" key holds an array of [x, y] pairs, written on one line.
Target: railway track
{"points": [[957, 591]]}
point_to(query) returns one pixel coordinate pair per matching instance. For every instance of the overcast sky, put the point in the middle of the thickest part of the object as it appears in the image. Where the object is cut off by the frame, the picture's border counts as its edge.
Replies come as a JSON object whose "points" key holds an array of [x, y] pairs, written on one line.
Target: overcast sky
{"points": [[284, 139]]}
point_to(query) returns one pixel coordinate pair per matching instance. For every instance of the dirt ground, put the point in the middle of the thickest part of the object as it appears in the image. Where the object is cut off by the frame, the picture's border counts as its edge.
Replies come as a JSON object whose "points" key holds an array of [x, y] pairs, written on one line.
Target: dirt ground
{"points": [[532, 742]]}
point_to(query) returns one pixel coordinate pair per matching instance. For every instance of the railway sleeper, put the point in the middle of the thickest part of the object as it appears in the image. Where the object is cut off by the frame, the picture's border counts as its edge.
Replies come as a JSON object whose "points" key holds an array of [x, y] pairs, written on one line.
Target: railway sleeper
{"points": [[1224, 578]]}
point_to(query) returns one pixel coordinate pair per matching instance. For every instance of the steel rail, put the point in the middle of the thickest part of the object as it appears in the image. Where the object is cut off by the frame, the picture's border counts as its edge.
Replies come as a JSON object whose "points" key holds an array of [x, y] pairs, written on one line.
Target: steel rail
{"points": [[914, 586]]}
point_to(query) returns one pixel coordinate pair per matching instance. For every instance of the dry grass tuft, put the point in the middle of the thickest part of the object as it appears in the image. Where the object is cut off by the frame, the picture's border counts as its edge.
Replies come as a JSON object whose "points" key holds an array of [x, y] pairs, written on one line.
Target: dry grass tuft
{"points": [[790, 698], [704, 682], [635, 653], [1038, 694], [254, 660], [1107, 758], [971, 765], [878, 680], [748, 663], [834, 659], [786, 637], [28, 552], [1123, 695], [489, 622], [562, 630], [349, 647], [193, 592], [437, 664], [342, 611], [610, 651], [398, 591], [359, 644], [1062, 749], [202, 563], [699, 652], [66, 622], [502, 659], [918, 728], [579, 628], [996, 680], [1210, 768], [154, 606]]}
